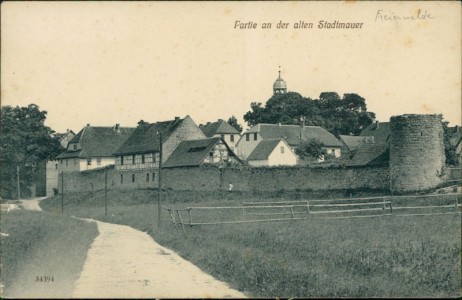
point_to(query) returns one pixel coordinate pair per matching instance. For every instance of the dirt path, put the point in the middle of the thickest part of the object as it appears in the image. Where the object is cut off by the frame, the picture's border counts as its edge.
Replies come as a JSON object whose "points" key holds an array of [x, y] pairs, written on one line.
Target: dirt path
{"points": [[32, 204], [124, 262]]}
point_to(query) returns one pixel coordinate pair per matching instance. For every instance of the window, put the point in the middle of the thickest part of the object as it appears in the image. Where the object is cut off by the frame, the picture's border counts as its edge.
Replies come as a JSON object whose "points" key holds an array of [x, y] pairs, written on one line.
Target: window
{"points": [[247, 137], [56, 166], [147, 177], [133, 177], [75, 161], [231, 137], [133, 159], [255, 136], [66, 162], [154, 157], [153, 176], [121, 178], [61, 161], [196, 149], [88, 161], [282, 149], [122, 160], [98, 161], [143, 159], [75, 146]]}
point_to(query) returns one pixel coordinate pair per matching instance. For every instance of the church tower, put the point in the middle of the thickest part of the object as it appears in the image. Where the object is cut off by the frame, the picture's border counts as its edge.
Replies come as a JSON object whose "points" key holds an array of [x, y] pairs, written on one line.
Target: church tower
{"points": [[279, 86]]}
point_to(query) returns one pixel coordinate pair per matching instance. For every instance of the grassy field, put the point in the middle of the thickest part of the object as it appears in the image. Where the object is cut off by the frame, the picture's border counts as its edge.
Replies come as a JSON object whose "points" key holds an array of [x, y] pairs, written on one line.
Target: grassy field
{"points": [[390, 256], [42, 244]]}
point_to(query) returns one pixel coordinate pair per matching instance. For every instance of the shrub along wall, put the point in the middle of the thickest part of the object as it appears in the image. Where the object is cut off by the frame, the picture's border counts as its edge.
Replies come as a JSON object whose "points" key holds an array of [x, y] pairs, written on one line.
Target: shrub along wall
{"points": [[263, 179]]}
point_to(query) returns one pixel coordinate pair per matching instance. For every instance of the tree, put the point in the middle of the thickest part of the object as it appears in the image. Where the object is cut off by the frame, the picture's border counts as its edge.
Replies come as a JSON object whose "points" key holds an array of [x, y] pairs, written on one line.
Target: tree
{"points": [[233, 122], [346, 115], [281, 108], [24, 142], [310, 149]]}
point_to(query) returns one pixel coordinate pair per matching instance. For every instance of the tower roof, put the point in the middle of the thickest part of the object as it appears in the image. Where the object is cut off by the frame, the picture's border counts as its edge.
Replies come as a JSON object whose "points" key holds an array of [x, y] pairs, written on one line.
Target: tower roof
{"points": [[279, 83]]}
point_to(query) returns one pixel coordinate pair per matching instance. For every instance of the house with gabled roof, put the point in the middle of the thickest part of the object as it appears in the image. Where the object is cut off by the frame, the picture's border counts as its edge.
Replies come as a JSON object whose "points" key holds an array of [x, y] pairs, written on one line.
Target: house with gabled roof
{"points": [[275, 152], [351, 144], [222, 129], [370, 154], [292, 134], [142, 149], [52, 166], [380, 131], [375, 149], [194, 153], [93, 148]]}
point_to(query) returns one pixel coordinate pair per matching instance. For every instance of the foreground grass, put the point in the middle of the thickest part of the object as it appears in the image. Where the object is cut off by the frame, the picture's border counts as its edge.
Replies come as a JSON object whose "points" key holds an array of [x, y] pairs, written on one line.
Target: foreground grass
{"points": [[42, 244], [393, 256]]}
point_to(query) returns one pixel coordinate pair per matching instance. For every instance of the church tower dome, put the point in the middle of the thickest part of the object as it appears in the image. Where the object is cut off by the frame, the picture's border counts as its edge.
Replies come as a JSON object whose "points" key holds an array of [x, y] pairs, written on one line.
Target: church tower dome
{"points": [[279, 86]]}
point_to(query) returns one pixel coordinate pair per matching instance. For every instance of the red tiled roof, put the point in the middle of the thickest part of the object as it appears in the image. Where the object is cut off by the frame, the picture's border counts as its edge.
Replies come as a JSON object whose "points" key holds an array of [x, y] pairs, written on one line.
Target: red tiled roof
{"points": [[97, 141], [193, 152], [370, 154], [380, 132], [218, 127], [145, 138], [264, 149], [293, 133]]}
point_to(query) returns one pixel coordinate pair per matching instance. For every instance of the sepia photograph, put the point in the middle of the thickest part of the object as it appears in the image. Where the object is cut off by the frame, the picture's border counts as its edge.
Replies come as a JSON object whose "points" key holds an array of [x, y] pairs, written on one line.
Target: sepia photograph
{"points": [[230, 149]]}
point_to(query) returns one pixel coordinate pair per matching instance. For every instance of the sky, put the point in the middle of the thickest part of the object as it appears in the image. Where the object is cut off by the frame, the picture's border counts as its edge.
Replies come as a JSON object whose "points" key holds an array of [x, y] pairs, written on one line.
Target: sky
{"points": [[103, 63]]}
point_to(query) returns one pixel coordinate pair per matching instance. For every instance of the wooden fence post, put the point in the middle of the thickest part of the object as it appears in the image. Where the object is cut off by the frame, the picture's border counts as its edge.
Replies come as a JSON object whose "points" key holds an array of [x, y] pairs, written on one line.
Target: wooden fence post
{"points": [[384, 205], [62, 192], [190, 217], [105, 191], [181, 220]]}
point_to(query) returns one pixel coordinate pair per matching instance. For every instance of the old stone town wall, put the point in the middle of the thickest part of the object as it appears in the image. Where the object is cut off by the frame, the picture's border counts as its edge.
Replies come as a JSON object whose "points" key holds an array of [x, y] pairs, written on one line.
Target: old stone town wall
{"points": [[246, 179], [416, 163]]}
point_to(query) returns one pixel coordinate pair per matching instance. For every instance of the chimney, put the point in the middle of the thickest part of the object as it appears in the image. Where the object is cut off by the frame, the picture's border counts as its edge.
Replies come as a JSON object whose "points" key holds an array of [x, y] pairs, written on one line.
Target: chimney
{"points": [[88, 124], [117, 127], [208, 123], [177, 119], [376, 124], [457, 128]]}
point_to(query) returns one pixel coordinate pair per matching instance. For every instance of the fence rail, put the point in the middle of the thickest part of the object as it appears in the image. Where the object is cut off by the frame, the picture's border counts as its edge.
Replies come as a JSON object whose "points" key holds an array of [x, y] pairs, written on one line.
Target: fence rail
{"points": [[318, 208]]}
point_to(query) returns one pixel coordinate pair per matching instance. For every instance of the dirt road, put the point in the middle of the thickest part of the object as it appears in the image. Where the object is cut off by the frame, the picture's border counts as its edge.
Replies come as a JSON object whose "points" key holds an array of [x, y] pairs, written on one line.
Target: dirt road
{"points": [[124, 262]]}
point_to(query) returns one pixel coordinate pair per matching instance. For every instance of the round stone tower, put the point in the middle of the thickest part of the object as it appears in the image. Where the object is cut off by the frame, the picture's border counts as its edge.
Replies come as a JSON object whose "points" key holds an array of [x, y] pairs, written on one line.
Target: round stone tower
{"points": [[417, 158]]}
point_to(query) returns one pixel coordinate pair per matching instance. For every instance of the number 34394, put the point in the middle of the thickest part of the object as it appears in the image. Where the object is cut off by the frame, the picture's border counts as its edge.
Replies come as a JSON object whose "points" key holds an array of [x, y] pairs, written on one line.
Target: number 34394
{"points": [[44, 279]]}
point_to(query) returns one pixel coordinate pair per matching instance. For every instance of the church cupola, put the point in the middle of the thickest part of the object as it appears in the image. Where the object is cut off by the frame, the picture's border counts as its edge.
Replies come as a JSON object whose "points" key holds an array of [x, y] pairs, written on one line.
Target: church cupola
{"points": [[279, 86]]}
